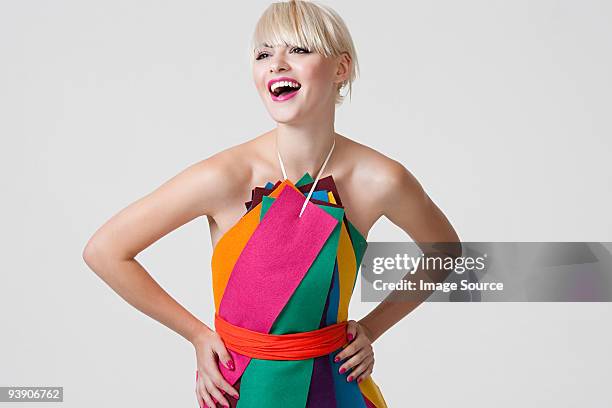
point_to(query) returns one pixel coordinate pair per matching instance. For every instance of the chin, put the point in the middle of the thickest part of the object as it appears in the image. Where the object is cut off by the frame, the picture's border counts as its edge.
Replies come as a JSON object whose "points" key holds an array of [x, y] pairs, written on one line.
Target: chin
{"points": [[286, 116]]}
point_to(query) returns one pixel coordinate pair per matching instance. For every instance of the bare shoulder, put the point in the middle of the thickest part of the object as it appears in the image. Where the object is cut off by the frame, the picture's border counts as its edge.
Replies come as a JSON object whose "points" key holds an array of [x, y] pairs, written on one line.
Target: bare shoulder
{"points": [[383, 176], [387, 188], [227, 175]]}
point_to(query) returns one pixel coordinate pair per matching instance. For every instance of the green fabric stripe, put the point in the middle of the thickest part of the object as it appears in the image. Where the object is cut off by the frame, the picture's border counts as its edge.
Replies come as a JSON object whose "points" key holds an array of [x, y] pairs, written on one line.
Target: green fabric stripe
{"points": [[306, 178]]}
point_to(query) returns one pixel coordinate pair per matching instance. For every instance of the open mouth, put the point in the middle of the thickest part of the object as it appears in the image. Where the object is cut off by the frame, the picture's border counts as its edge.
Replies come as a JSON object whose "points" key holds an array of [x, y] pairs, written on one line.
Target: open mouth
{"points": [[283, 89]]}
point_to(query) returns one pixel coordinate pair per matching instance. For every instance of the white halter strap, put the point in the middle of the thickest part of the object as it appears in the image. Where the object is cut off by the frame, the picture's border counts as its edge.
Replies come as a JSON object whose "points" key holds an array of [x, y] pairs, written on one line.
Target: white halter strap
{"points": [[316, 179]]}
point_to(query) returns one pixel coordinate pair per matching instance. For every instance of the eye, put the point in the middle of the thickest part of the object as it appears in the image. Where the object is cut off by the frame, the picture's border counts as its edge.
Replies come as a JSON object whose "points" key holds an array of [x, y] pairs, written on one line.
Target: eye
{"points": [[301, 49]]}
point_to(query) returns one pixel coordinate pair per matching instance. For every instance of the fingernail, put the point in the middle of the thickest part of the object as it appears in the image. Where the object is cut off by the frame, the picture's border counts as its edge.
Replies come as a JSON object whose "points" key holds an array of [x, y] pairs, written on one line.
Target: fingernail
{"points": [[350, 377], [336, 359], [342, 370], [236, 396], [359, 379], [350, 336], [230, 364]]}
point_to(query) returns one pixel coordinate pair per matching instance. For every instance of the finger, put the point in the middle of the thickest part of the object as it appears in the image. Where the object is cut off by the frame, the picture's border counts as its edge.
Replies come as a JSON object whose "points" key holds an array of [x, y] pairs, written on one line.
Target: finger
{"points": [[351, 330], [220, 382], [212, 371], [199, 398], [346, 352], [358, 369], [228, 389], [365, 374], [205, 396], [225, 357], [216, 394], [351, 349], [353, 361]]}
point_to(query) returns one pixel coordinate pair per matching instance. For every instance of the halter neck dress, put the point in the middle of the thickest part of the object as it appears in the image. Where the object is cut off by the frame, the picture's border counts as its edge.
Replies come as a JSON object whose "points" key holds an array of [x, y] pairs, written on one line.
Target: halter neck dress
{"points": [[289, 265]]}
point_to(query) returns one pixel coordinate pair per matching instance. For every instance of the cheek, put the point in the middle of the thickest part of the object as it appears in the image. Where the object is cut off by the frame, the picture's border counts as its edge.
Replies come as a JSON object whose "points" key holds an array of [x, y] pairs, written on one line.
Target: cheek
{"points": [[258, 76], [320, 78]]}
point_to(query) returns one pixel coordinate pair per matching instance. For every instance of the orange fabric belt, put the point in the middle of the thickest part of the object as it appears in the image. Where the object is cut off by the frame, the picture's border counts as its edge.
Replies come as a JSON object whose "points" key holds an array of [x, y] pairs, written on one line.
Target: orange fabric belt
{"points": [[292, 346]]}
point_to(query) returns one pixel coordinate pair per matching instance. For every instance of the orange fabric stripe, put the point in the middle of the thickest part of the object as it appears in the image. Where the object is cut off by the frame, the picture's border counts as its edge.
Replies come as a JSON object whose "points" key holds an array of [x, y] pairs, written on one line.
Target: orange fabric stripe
{"points": [[292, 346]]}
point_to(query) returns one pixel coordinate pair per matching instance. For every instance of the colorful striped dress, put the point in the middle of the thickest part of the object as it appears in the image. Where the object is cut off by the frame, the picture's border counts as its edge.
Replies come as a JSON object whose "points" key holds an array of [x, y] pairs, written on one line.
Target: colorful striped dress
{"points": [[274, 272]]}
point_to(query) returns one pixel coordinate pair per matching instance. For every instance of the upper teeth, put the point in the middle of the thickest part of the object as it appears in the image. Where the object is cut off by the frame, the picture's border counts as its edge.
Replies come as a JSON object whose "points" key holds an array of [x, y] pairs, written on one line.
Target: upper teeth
{"points": [[284, 83]]}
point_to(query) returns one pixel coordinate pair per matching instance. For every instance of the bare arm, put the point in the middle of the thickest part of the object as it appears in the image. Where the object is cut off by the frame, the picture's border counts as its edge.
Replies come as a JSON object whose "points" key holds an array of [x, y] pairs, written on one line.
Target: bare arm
{"points": [[110, 252], [409, 207]]}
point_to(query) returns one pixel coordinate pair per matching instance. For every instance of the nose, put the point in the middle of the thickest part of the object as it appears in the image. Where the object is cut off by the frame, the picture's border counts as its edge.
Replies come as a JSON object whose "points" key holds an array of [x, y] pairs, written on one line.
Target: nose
{"points": [[278, 63]]}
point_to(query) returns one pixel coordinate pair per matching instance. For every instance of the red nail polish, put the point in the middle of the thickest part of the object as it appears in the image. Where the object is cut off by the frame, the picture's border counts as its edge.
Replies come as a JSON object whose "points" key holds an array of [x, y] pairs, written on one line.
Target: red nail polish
{"points": [[336, 359], [350, 377], [342, 370], [350, 336], [359, 379], [230, 365]]}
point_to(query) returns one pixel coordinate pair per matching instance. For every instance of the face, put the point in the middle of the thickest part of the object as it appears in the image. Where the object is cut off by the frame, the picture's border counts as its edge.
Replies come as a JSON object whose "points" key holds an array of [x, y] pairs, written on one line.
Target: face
{"points": [[312, 80]]}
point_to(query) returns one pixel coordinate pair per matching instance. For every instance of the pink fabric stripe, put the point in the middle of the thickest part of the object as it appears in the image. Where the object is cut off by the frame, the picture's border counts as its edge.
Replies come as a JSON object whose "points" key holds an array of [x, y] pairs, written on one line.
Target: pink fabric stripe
{"points": [[272, 264]]}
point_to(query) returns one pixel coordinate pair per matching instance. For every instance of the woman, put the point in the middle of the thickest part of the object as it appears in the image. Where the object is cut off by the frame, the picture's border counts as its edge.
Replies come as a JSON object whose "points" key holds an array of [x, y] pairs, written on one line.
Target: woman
{"points": [[284, 269]]}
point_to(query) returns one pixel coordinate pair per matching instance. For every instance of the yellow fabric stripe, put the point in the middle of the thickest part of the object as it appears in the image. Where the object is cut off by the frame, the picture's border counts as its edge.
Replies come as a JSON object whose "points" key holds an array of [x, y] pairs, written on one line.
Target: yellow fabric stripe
{"points": [[330, 197], [369, 388]]}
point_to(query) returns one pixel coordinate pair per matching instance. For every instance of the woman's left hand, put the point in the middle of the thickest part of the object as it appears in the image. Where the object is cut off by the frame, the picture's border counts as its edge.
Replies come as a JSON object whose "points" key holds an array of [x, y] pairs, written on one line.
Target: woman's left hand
{"points": [[359, 353]]}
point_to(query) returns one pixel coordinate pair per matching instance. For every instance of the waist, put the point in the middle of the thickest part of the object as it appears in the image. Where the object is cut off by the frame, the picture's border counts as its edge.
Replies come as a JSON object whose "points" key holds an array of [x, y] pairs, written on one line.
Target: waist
{"points": [[292, 346]]}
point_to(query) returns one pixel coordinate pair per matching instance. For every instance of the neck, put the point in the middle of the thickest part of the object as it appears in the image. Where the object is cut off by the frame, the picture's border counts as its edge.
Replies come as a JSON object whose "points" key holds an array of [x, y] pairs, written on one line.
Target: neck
{"points": [[304, 148]]}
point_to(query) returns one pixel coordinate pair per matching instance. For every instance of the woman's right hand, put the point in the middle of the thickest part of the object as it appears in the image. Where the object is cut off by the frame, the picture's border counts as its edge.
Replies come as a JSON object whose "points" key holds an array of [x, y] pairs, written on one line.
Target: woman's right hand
{"points": [[210, 383]]}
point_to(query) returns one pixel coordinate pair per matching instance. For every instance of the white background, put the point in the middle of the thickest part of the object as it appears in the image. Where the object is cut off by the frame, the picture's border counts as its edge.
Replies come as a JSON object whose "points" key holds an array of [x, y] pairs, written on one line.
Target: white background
{"points": [[501, 109]]}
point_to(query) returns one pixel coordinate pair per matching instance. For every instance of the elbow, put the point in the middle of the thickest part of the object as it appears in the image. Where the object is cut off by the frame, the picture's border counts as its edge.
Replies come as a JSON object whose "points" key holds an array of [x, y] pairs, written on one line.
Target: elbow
{"points": [[93, 255], [102, 256], [448, 248], [452, 245], [90, 254]]}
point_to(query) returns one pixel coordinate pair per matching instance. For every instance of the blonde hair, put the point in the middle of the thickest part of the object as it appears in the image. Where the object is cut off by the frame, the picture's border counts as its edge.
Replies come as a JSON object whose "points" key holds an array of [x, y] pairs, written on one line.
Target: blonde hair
{"points": [[310, 25]]}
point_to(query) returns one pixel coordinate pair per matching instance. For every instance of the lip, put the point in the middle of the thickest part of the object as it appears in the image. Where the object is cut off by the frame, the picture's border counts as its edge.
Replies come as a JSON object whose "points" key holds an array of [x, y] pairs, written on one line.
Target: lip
{"points": [[285, 96]]}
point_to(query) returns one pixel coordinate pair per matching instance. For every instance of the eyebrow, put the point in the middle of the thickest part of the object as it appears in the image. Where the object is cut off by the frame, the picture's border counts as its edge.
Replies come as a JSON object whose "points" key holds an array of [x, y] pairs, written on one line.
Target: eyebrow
{"points": [[266, 45]]}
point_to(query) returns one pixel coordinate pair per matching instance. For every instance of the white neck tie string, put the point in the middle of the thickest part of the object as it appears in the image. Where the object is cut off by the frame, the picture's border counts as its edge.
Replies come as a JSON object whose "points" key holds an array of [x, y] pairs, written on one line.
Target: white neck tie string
{"points": [[316, 179]]}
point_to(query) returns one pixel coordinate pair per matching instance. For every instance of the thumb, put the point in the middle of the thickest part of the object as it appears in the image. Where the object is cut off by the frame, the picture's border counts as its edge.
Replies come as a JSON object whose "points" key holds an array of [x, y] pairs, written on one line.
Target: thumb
{"points": [[225, 357], [351, 330]]}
